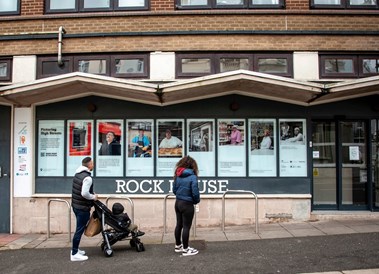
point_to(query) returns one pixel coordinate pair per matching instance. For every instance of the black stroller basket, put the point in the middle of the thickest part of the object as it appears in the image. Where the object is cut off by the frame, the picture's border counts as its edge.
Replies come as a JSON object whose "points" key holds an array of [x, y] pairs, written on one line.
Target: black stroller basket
{"points": [[117, 230]]}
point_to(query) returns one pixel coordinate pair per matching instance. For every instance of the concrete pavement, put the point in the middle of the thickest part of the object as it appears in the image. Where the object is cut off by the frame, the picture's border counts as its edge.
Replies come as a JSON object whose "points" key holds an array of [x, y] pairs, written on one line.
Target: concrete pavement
{"points": [[321, 225]]}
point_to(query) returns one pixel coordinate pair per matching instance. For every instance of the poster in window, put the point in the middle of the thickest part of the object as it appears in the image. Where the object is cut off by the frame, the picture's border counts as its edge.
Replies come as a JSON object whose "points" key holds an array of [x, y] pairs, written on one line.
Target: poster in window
{"points": [[170, 138], [79, 142], [109, 148], [201, 145], [140, 160], [292, 148], [262, 147], [231, 148], [50, 148]]}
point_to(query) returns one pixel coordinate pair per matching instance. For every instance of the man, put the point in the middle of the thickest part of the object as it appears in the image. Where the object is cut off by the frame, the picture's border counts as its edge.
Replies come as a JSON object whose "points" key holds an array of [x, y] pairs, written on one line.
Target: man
{"points": [[110, 146], [170, 141], [82, 201], [140, 143]]}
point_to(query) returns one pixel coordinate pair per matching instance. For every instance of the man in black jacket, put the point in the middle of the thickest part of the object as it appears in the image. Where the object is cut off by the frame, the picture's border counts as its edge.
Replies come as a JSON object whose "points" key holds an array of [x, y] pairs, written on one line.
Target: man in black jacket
{"points": [[82, 201]]}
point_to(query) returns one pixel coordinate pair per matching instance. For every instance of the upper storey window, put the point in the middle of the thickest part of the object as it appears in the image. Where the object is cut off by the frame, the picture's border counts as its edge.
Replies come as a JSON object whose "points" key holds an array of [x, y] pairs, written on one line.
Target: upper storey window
{"points": [[9, 7], [228, 4], [345, 4], [59, 6], [5, 69]]}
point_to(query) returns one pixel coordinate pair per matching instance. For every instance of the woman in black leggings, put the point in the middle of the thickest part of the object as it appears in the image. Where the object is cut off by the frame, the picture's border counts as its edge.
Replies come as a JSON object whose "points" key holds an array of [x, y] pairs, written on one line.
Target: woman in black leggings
{"points": [[187, 195]]}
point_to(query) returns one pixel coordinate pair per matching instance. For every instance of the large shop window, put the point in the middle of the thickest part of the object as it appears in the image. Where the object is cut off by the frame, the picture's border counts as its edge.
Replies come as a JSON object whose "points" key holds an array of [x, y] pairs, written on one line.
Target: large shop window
{"points": [[148, 148], [230, 4], [201, 64], [344, 4], [120, 66], [59, 6], [10, 7], [5, 69], [348, 66]]}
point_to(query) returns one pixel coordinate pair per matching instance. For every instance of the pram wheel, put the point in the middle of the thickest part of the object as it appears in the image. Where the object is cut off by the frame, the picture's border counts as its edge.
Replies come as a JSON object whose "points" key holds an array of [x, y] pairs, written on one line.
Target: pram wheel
{"points": [[132, 243], [140, 247], [108, 252]]}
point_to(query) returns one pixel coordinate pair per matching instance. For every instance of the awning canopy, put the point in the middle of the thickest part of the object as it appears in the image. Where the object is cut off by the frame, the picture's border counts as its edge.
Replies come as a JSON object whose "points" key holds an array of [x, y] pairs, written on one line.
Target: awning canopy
{"points": [[241, 82]]}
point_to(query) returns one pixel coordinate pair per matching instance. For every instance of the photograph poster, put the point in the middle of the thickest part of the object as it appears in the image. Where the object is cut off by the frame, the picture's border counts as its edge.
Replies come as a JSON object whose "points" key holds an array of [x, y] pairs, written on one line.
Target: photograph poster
{"points": [[51, 148], [262, 148], [201, 145], [109, 148], [231, 148], [170, 140], [140, 160], [80, 138], [292, 148]]}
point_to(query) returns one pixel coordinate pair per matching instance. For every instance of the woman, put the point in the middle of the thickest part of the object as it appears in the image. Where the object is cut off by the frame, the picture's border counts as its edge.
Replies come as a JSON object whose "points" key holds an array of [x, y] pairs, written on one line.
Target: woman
{"points": [[187, 195]]}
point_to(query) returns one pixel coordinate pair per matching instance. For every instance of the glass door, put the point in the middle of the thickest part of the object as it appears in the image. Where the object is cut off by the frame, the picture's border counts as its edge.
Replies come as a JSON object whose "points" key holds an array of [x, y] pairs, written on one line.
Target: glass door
{"points": [[354, 164], [324, 165], [375, 160], [340, 165]]}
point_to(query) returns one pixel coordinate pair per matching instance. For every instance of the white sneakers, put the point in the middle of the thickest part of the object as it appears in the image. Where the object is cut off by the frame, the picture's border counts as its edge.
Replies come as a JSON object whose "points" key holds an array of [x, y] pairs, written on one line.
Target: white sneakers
{"points": [[79, 256], [186, 252]]}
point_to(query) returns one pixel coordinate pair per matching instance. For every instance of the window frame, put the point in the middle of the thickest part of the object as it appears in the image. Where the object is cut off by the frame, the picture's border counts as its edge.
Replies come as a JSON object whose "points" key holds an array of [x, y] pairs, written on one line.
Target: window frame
{"points": [[93, 58], [14, 12], [41, 60], [360, 65], [215, 62], [8, 76], [79, 7], [247, 4], [146, 68], [324, 75], [344, 4]]}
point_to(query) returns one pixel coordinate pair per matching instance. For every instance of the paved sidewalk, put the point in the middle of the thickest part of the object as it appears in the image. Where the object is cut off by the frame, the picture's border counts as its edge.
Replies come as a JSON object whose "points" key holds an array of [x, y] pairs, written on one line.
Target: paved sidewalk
{"points": [[318, 227]]}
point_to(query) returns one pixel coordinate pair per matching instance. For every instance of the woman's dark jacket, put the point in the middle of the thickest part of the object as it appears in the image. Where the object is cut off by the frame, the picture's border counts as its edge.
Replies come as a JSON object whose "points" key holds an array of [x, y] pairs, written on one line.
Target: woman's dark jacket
{"points": [[185, 186]]}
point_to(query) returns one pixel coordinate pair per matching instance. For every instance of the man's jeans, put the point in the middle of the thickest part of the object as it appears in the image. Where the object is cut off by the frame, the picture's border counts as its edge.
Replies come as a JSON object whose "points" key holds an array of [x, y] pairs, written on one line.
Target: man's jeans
{"points": [[82, 218]]}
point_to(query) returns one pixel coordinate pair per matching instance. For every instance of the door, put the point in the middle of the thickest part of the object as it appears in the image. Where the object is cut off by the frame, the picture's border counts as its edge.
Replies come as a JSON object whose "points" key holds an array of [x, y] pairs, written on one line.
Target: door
{"points": [[375, 161], [339, 165], [5, 133]]}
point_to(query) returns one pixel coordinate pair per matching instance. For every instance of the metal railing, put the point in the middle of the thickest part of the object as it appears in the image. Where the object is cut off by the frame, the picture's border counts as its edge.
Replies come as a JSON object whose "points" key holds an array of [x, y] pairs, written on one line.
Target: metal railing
{"points": [[256, 207], [165, 216], [69, 217], [122, 198]]}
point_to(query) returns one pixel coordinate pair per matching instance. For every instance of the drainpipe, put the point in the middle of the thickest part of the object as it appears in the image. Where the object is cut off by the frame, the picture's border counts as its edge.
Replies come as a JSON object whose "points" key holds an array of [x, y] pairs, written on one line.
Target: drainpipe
{"points": [[61, 31]]}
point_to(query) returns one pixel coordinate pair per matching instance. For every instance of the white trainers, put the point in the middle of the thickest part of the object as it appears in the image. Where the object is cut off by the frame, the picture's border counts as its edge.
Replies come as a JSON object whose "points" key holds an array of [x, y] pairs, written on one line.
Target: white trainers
{"points": [[78, 257], [178, 248], [81, 252], [189, 251]]}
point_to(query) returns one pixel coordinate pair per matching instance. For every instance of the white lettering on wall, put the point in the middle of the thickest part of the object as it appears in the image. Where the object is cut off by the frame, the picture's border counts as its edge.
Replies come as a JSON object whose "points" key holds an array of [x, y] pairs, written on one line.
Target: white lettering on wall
{"points": [[154, 186]]}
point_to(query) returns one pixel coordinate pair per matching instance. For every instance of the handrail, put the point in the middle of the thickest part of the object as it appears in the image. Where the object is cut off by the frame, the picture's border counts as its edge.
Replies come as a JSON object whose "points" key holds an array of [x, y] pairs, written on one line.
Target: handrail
{"points": [[256, 208], [69, 217], [125, 198], [165, 216]]}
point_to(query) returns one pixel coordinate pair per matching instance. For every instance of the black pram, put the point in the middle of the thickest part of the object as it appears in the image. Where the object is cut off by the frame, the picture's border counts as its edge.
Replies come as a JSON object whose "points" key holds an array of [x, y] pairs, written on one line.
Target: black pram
{"points": [[119, 230]]}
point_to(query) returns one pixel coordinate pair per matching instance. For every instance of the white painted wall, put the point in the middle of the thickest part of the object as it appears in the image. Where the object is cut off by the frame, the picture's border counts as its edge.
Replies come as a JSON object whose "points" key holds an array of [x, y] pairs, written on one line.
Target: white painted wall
{"points": [[23, 170], [24, 68], [305, 66], [162, 66]]}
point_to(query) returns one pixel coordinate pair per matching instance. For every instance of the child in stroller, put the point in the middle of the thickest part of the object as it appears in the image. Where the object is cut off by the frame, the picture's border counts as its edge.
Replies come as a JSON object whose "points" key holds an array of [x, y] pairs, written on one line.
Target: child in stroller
{"points": [[121, 228]]}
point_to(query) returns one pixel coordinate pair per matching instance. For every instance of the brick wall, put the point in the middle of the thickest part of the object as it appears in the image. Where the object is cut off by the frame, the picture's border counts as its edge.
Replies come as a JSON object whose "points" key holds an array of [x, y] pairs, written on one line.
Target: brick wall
{"points": [[32, 7]]}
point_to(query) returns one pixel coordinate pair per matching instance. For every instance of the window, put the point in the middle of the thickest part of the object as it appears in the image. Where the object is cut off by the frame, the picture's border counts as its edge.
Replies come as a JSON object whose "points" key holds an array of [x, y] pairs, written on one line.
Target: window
{"points": [[121, 66], [345, 4], [10, 7], [195, 65], [5, 69], [227, 4], [348, 66], [59, 6]]}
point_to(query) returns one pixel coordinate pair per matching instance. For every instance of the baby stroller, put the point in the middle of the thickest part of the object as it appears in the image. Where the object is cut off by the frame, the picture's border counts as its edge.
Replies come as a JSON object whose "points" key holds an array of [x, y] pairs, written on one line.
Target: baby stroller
{"points": [[118, 230]]}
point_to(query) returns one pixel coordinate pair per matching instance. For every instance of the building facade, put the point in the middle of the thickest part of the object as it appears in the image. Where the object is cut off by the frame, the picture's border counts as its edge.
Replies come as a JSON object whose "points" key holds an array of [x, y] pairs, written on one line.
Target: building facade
{"points": [[275, 98]]}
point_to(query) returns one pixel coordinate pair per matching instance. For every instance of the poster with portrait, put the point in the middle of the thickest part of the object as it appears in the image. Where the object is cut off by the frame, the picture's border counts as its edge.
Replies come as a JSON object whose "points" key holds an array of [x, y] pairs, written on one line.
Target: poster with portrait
{"points": [[170, 140], [140, 160], [262, 147], [292, 148], [109, 148], [231, 148], [79, 143], [50, 148], [201, 144]]}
